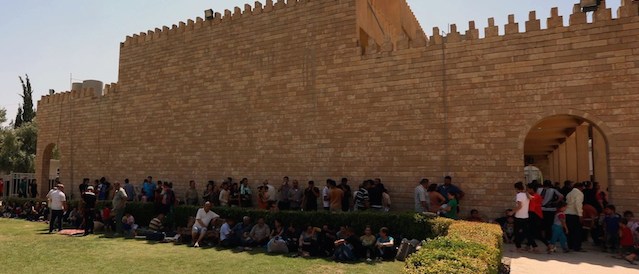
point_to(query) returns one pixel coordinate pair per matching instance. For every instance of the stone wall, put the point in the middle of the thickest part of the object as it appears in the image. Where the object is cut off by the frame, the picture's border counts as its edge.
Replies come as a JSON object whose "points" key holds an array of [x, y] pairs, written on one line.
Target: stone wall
{"points": [[286, 89]]}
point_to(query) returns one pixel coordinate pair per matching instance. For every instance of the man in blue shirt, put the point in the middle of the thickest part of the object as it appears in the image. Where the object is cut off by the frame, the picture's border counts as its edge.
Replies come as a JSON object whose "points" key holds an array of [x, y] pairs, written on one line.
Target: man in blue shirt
{"points": [[449, 187]]}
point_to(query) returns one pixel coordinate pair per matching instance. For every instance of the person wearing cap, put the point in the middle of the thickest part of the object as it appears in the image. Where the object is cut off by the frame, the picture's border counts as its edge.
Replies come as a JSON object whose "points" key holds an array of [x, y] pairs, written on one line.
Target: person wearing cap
{"points": [[89, 199], [57, 204]]}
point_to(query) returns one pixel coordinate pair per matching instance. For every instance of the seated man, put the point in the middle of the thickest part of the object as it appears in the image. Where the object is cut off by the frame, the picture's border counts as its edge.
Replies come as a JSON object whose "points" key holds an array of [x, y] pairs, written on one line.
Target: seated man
{"points": [[227, 237], [346, 248], [242, 231], [128, 225], [156, 224], [385, 246], [260, 233], [474, 216], [202, 220]]}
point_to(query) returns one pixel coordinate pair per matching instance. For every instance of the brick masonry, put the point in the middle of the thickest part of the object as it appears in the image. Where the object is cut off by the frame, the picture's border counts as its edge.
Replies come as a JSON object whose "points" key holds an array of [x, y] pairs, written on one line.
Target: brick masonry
{"points": [[287, 89]]}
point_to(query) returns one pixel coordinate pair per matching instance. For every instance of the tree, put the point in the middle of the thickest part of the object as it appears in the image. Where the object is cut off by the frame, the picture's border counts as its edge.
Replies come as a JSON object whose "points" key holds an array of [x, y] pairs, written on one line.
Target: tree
{"points": [[28, 113], [3, 116], [18, 122]]}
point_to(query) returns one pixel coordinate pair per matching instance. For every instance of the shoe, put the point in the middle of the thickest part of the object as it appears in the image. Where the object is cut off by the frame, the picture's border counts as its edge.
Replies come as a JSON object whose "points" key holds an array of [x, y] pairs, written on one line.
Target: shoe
{"points": [[369, 260], [247, 248], [196, 245]]}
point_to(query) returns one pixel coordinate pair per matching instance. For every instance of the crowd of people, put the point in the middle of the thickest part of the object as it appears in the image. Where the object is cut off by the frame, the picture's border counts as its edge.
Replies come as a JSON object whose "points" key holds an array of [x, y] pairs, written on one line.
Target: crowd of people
{"points": [[565, 217], [342, 244], [558, 217]]}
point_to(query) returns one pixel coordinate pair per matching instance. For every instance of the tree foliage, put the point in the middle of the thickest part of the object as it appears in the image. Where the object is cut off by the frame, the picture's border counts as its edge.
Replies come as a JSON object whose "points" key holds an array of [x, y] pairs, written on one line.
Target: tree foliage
{"points": [[3, 116], [28, 112], [18, 144]]}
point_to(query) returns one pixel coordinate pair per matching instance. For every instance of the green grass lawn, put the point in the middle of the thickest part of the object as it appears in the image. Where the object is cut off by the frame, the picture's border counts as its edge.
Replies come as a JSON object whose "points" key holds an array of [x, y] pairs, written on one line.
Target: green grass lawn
{"points": [[25, 247]]}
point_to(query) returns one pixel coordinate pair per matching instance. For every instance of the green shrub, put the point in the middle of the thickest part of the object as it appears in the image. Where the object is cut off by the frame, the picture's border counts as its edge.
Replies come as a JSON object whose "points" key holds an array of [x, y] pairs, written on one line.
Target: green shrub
{"points": [[464, 247], [405, 225], [401, 225]]}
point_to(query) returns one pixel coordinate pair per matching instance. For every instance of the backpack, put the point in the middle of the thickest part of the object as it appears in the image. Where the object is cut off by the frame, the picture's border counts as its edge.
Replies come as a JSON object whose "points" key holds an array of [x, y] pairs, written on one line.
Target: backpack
{"points": [[406, 248], [552, 203]]}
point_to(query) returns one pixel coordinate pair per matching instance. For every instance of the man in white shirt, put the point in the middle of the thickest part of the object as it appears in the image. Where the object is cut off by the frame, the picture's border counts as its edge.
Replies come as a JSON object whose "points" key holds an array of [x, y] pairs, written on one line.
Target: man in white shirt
{"points": [[203, 218], [421, 202], [272, 194], [57, 204], [574, 211], [325, 200], [119, 203]]}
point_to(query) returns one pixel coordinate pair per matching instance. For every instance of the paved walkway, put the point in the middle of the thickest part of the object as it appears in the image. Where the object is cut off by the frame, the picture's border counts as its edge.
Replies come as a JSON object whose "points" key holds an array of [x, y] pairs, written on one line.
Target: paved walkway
{"points": [[590, 262]]}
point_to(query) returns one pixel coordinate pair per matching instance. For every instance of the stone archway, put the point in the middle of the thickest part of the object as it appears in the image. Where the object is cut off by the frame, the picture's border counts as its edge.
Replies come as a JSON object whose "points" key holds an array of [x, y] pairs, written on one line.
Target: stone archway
{"points": [[568, 147]]}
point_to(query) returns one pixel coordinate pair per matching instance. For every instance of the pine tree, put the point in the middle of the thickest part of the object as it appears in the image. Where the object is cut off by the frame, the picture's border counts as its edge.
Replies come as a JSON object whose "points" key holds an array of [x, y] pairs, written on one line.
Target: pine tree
{"points": [[28, 113], [18, 122]]}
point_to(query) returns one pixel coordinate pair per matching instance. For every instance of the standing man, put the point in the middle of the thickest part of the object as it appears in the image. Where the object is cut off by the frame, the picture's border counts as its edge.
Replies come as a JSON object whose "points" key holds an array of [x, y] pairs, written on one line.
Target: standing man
{"points": [[325, 200], [335, 195], [348, 195], [1, 187], [574, 213], [309, 200], [119, 202], [449, 187], [33, 188], [89, 199], [192, 197], [57, 204], [271, 193], [422, 203], [22, 188], [284, 202], [83, 186], [203, 218], [129, 189], [550, 199], [295, 196]]}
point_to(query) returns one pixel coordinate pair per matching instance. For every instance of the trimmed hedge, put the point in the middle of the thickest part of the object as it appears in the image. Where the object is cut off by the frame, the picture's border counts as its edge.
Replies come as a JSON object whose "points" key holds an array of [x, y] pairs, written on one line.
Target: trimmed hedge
{"points": [[464, 247], [401, 225], [405, 225]]}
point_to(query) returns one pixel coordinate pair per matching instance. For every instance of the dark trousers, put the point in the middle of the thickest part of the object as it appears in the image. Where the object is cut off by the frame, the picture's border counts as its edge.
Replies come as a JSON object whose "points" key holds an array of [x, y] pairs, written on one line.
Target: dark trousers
{"points": [[547, 222], [522, 232], [89, 214], [574, 232], [56, 219], [119, 213], [536, 227]]}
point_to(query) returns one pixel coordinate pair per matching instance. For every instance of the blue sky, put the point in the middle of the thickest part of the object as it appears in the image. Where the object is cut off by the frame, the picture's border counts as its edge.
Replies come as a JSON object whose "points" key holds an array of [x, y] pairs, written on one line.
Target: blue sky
{"points": [[49, 40]]}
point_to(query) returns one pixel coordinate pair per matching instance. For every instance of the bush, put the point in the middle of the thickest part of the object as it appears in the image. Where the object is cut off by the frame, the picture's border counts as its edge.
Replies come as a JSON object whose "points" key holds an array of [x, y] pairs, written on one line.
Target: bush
{"points": [[401, 225], [464, 247]]}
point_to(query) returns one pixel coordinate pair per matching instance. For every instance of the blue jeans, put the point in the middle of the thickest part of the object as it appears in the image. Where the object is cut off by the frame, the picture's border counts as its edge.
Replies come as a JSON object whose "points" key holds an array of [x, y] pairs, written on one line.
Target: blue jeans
{"points": [[559, 235]]}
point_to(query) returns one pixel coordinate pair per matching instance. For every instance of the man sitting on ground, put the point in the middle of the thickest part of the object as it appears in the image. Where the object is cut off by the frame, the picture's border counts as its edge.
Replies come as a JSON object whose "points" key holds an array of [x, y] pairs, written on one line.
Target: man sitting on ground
{"points": [[242, 231], [202, 220], [156, 224], [227, 237], [260, 233]]}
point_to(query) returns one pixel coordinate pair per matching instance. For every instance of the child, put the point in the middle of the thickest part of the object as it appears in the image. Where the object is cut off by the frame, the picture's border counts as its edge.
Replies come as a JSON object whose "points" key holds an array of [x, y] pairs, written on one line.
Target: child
{"points": [[509, 230], [611, 228], [558, 228], [451, 208], [385, 246], [128, 224], [627, 241], [368, 242]]}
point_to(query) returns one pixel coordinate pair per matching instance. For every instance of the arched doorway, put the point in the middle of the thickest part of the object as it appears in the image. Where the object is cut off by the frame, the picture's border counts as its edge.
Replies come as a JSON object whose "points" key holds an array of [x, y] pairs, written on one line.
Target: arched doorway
{"points": [[567, 147], [50, 168]]}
